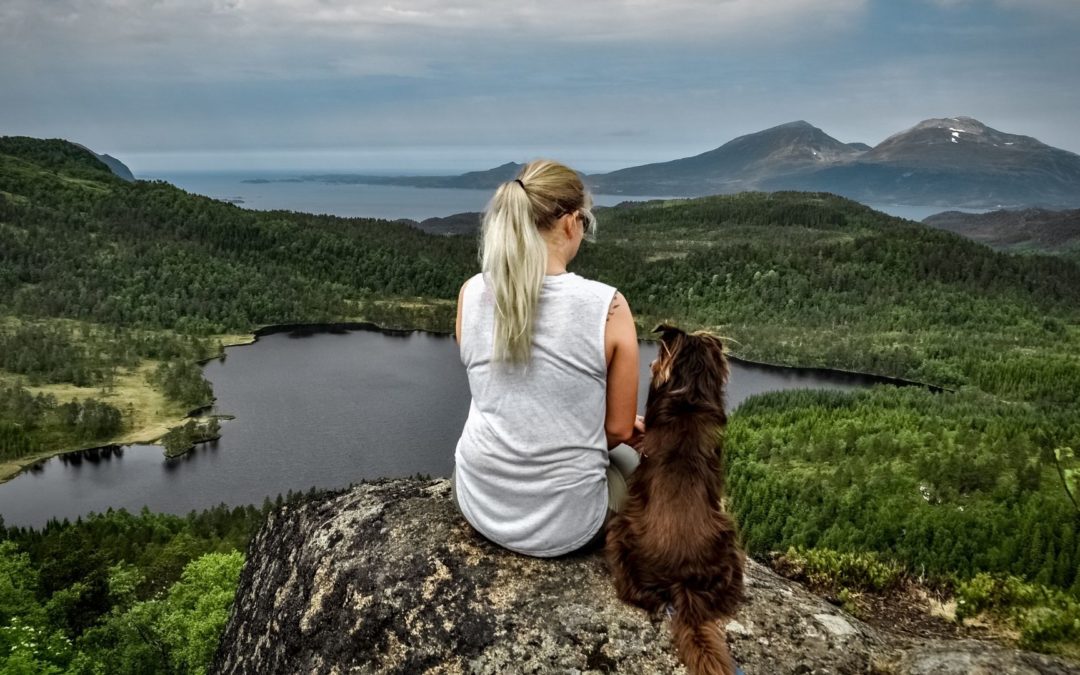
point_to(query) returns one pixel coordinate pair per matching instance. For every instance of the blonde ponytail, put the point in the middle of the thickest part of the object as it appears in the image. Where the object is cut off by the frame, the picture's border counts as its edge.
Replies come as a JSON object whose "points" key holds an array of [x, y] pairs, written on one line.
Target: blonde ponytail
{"points": [[513, 254], [514, 258]]}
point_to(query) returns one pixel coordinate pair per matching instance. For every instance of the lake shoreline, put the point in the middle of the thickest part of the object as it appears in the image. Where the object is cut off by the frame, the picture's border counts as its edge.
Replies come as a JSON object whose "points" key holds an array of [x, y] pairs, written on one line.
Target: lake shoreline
{"points": [[304, 329], [151, 433], [148, 433]]}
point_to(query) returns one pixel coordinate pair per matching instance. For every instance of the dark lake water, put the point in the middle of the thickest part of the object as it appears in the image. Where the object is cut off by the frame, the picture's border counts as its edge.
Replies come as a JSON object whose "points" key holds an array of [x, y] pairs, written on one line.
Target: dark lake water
{"points": [[323, 410]]}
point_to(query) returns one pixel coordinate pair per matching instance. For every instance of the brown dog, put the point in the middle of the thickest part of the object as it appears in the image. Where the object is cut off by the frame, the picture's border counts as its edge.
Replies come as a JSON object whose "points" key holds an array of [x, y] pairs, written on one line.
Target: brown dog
{"points": [[672, 545]]}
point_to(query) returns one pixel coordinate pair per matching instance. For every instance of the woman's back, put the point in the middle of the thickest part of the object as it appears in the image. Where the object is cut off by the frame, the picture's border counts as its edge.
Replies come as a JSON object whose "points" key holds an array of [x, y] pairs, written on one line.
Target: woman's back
{"points": [[532, 457]]}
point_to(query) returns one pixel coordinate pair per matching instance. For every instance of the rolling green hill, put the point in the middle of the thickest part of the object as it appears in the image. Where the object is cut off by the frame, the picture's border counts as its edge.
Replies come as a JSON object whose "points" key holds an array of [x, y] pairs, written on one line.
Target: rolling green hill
{"points": [[1029, 230], [795, 278]]}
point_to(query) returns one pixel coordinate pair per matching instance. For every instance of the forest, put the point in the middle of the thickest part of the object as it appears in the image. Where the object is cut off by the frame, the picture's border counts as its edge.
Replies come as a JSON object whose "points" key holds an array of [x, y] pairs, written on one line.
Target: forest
{"points": [[122, 594], [104, 282], [953, 486]]}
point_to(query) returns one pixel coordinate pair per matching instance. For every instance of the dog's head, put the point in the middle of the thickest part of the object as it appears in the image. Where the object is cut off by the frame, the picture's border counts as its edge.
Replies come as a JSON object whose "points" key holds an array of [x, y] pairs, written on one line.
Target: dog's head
{"points": [[689, 376]]}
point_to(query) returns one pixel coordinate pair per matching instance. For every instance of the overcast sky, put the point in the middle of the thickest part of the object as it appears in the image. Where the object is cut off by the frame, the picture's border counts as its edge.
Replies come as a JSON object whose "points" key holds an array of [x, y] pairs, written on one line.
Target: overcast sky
{"points": [[410, 85]]}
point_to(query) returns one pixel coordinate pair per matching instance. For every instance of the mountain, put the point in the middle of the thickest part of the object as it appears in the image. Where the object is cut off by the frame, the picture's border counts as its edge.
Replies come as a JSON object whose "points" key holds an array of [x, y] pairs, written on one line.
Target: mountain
{"points": [[740, 164], [1026, 230], [957, 161], [958, 143], [115, 165], [954, 161]]}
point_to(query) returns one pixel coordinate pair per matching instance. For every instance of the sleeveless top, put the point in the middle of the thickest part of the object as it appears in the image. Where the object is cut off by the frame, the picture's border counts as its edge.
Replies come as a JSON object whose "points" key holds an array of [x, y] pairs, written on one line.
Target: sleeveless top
{"points": [[531, 460]]}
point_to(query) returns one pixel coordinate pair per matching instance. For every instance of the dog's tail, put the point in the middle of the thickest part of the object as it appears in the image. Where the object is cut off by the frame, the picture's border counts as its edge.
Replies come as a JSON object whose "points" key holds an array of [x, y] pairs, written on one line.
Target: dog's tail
{"points": [[698, 640]]}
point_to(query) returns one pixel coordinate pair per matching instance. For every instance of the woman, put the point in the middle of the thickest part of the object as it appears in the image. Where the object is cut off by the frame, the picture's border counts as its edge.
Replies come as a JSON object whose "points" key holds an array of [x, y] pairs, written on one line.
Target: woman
{"points": [[552, 360]]}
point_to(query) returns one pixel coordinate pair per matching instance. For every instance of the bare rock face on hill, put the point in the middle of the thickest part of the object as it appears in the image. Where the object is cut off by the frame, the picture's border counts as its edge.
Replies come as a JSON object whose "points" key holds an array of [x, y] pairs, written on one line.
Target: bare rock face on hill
{"points": [[387, 578]]}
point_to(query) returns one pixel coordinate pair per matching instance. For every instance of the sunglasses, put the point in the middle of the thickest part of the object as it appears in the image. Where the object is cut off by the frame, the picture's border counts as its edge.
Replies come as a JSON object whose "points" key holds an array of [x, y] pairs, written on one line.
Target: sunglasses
{"points": [[588, 224]]}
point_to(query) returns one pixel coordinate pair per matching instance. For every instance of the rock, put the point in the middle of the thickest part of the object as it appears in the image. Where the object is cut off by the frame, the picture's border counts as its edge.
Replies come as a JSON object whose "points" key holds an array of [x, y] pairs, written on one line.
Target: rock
{"points": [[387, 577], [835, 625]]}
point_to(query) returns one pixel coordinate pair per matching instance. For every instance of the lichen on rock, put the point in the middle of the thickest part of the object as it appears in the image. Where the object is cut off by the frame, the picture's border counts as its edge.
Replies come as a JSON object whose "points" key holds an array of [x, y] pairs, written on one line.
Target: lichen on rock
{"points": [[386, 577]]}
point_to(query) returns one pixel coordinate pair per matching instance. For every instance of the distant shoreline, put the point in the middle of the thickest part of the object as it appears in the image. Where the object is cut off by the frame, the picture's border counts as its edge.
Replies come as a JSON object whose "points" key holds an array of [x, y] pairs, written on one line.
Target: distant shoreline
{"points": [[436, 182]]}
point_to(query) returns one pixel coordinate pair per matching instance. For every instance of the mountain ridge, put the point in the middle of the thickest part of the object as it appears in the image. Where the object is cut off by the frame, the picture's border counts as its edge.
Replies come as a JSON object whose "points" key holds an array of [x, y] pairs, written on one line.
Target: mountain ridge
{"points": [[955, 161], [116, 166], [63, 154], [738, 163], [949, 162]]}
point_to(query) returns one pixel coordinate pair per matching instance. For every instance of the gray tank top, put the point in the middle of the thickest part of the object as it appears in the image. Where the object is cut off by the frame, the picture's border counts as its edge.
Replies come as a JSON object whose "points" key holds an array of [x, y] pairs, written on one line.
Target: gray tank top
{"points": [[531, 460]]}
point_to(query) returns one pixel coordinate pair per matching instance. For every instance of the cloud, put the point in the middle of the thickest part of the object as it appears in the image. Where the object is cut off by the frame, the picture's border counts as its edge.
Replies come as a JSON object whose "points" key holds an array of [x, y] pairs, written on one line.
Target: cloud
{"points": [[142, 42], [1066, 8], [483, 45], [627, 77], [143, 26]]}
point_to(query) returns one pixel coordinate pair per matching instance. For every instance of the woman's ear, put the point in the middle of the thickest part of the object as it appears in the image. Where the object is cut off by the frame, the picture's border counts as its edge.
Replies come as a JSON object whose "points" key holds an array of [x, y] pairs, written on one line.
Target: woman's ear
{"points": [[565, 224]]}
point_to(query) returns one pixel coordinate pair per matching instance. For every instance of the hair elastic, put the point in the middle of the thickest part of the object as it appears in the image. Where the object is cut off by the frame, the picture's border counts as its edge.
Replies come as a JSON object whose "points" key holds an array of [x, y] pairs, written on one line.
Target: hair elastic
{"points": [[518, 181]]}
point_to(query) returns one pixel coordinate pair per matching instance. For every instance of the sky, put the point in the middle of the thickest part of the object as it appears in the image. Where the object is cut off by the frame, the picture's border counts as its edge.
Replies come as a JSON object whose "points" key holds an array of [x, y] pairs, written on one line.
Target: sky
{"points": [[415, 86]]}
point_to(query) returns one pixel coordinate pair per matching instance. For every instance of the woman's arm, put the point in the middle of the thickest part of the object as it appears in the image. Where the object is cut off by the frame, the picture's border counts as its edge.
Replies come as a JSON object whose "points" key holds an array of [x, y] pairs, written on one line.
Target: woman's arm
{"points": [[457, 322], [621, 348]]}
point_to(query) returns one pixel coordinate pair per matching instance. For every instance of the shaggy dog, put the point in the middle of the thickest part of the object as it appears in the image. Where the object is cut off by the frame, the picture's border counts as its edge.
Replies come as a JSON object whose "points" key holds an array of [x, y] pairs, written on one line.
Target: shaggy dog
{"points": [[672, 546]]}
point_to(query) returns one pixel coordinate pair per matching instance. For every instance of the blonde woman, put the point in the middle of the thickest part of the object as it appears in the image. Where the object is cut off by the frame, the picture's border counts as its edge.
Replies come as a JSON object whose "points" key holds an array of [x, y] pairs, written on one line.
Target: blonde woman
{"points": [[552, 361]]}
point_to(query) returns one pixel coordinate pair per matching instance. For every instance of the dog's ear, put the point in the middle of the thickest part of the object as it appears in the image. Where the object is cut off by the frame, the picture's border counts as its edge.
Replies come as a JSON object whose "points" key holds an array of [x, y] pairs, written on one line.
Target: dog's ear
{"points": [[668, 333]]}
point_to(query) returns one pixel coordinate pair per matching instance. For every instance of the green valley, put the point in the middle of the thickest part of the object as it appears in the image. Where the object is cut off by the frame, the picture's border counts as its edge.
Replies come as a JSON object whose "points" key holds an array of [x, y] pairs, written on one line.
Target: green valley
{"points": [[112, 291]]}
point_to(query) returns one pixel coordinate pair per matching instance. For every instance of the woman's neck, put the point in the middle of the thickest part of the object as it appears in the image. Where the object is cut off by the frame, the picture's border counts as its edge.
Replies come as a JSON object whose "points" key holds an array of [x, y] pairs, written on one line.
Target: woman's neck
{"points": [[556, 260]]}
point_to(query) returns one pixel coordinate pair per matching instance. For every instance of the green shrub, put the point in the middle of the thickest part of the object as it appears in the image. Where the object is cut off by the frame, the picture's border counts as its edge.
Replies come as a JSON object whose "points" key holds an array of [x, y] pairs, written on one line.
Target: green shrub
{"points": [[1045, 617], [853, 571]]}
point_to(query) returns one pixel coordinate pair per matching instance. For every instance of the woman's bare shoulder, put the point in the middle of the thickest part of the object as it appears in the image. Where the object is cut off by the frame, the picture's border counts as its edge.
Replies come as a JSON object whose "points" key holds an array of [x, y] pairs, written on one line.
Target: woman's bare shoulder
{"points": [[618, 306]]}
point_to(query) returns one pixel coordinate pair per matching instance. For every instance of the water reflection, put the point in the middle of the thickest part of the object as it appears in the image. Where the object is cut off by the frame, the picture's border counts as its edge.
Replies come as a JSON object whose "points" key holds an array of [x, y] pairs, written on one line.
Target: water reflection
{"points": [[92, 455]]}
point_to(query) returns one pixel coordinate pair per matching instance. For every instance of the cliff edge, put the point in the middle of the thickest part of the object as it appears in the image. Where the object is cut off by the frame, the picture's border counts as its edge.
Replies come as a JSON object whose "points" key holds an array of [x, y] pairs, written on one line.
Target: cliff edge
{"points": [[387, 577]]}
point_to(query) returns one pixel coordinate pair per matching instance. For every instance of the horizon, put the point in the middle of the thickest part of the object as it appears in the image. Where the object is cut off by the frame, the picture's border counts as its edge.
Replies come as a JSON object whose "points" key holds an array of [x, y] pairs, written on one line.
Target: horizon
{"points": [[438, 159], [417, 86]]}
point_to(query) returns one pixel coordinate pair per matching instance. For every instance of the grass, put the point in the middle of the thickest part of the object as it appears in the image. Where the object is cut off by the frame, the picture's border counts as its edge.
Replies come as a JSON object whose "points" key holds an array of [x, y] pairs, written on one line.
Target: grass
{"points": [[148, 415], [234, 339], [92, 185]]}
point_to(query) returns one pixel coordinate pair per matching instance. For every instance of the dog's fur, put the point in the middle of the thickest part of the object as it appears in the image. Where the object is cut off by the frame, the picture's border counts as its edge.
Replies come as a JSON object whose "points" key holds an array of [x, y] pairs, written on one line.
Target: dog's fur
{"points": [[672, 544]]}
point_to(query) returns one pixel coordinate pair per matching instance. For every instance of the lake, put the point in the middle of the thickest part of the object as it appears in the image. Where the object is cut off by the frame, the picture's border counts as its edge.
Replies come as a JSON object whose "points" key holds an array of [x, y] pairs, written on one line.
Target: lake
{"points": [[387, 201], [324, 410], [367, 201]]}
